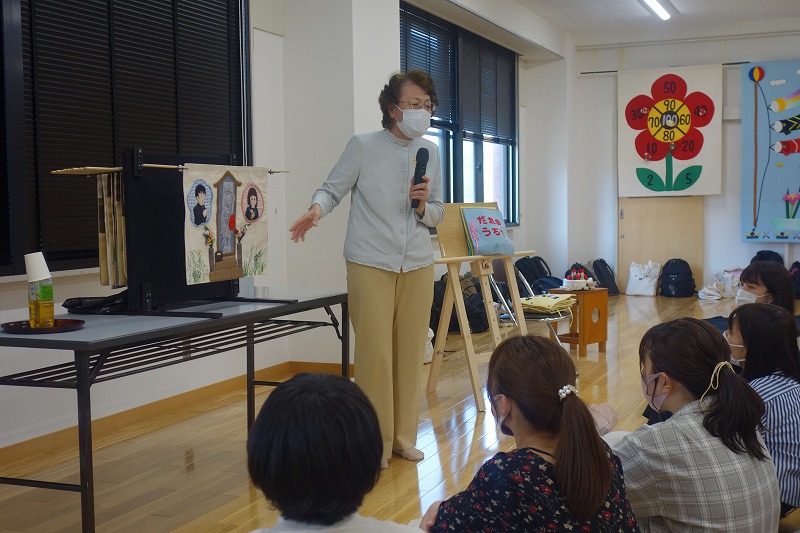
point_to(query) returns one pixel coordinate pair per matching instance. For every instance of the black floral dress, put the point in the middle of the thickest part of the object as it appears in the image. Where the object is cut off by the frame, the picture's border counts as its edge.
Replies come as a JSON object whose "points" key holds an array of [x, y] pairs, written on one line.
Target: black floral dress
{"points": [[516, 491]]}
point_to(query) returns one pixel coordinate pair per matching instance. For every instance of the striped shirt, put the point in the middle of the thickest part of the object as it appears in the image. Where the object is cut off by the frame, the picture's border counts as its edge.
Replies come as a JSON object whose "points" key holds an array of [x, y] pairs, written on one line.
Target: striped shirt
{"points": [[781, 396], [680, 478]]}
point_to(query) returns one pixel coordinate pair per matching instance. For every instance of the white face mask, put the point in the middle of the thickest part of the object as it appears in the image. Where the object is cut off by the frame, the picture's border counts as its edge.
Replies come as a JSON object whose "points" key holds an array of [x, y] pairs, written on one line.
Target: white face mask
{"points": [[415, 122], [737, 362], [746, 297]]}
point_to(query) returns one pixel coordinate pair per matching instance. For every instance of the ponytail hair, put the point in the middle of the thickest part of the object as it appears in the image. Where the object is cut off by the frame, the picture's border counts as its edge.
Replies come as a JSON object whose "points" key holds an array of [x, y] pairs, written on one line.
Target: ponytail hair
{"points": [[531, 370], [689, 351]]}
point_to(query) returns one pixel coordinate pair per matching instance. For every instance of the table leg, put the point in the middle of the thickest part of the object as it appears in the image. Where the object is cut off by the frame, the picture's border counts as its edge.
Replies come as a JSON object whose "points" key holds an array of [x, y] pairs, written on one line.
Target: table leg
{"points": [[251, 376], [85, 440], [345, 341]]}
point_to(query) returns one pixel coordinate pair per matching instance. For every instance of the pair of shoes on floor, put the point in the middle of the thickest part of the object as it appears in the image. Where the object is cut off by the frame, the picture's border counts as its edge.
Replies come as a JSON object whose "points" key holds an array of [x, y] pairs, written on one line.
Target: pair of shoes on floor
{"points": [[411, 454], [384, 464]]}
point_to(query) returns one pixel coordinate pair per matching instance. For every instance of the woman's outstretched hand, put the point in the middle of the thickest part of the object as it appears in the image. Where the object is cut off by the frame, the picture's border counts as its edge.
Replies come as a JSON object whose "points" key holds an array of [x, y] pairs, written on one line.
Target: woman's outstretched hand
{"points": [[305, 223]]}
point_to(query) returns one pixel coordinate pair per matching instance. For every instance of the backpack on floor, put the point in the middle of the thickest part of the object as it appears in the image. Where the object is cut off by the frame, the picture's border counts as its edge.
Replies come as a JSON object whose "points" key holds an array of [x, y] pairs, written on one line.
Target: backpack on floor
{"points": [[537, 273], [533, 268], [676, 279], [473, 301], [542, 286], [605, 276], [577, 267], [767, 255]]}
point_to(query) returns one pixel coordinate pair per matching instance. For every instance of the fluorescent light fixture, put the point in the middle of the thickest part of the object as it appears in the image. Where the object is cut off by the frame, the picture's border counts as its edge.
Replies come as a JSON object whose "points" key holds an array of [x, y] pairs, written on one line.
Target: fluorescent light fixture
{"points": [[657, 9]]}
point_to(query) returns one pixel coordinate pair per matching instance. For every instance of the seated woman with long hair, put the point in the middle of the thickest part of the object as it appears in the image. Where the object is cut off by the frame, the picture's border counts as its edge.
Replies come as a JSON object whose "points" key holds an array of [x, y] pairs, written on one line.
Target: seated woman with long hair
{"points": [[763, 341], [766, 282], [760, 282], [706, 468], [561, 476]]}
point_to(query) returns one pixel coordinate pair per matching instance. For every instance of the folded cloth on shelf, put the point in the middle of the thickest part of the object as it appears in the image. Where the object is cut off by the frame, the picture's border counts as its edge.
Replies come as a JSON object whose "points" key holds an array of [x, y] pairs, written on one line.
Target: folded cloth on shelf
{"points": [[548, 303]]}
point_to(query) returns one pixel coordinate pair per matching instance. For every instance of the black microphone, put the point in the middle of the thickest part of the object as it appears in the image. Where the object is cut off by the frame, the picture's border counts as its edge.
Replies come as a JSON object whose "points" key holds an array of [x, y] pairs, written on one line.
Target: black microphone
{"points": [[419, 171]]}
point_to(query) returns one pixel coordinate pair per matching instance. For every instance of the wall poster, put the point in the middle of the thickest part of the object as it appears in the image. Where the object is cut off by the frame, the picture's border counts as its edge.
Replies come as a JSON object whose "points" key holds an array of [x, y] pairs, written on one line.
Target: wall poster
{"points": [[770, 151], [670, 138]]}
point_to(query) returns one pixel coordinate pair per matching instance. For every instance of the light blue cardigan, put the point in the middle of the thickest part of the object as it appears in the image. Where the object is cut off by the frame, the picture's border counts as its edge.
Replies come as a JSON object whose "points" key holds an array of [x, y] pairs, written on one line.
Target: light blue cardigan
{"points": [[383, 230]]}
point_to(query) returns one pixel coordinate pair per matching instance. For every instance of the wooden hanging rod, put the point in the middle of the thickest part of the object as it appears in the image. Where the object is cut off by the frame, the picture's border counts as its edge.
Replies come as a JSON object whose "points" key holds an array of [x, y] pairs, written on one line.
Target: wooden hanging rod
{"points": [[90, 171]]}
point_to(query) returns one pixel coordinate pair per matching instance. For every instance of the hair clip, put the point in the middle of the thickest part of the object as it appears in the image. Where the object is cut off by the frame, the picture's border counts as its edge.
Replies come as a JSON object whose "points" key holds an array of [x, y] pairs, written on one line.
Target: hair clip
{"points": [[564, 391]]}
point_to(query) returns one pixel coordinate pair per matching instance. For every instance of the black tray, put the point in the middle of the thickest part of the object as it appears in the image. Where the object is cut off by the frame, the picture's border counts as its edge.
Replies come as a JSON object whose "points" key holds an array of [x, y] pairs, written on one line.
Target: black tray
{"points": [[60, 325]]}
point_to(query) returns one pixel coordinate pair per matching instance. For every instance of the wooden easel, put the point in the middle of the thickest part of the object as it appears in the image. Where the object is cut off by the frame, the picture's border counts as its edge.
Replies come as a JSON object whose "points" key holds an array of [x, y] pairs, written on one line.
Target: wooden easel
{"points": [[454, 251]]}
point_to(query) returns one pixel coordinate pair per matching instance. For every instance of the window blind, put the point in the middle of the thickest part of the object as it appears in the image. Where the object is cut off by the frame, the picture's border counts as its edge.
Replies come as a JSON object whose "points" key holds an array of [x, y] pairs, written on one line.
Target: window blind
{"points": [[99, 76], [5, 196], [487, 88], [428, 43]]}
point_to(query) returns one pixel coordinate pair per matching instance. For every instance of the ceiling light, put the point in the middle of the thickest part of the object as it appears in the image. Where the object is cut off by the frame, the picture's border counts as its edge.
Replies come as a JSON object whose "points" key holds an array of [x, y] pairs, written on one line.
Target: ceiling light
{"points": [[656, 8]]}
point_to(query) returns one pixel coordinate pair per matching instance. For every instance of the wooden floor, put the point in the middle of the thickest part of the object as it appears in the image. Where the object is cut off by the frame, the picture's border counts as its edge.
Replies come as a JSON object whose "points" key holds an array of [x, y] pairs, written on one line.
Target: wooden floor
{"points": [[187, 472]]}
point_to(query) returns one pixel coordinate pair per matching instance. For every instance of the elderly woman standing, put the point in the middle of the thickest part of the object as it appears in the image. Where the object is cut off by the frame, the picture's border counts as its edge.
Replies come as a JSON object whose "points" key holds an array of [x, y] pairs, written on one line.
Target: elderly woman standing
{"points": [[388, 252]]}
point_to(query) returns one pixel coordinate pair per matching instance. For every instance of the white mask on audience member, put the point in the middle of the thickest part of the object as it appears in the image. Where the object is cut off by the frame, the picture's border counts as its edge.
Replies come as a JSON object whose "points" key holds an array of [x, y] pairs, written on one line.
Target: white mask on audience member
{"points": [[737, 362], [747, 297]]}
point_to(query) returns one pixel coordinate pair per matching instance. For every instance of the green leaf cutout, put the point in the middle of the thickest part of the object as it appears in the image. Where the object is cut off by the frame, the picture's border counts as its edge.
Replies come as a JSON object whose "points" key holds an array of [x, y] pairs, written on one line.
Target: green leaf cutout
{"points": [[687, 177], [650, 179]]}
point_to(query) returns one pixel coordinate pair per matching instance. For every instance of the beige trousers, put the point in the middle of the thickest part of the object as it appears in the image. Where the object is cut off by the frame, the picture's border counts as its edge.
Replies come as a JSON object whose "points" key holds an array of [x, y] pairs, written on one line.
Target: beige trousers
{"points": [[390, 313]]}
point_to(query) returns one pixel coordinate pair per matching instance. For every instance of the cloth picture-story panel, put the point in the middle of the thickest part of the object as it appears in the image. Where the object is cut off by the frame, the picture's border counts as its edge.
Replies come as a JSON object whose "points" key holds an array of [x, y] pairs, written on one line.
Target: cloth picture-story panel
{"points": [[225, 222]]}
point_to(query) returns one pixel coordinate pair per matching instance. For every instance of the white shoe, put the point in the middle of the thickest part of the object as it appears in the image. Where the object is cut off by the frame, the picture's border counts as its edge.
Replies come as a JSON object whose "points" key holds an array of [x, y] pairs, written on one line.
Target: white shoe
{"points": [[412, 454]]}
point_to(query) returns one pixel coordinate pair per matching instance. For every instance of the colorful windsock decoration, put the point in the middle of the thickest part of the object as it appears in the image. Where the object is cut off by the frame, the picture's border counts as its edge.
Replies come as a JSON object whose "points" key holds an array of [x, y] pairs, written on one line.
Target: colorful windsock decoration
{"points": [[787, 125]]}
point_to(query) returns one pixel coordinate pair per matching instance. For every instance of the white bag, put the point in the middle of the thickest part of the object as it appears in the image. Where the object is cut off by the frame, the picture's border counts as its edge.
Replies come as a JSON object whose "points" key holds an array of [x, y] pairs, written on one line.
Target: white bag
{"points": [[428, 357], [643, 278], [730, 281], [710, 292]]}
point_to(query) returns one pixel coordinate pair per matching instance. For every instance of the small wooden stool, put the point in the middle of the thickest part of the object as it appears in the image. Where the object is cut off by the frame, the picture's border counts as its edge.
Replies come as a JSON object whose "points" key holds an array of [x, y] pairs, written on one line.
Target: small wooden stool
{"points": [[590, 322]]}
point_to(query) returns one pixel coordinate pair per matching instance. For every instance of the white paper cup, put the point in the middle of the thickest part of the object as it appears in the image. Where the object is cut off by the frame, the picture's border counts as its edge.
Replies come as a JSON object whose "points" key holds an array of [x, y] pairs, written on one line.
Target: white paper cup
{"points": [[36, 267]]}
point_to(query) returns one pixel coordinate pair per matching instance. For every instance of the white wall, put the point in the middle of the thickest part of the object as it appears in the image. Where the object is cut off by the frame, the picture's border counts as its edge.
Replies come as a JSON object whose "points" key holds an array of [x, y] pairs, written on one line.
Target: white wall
{"points": [[544, 163], [318, 70]]}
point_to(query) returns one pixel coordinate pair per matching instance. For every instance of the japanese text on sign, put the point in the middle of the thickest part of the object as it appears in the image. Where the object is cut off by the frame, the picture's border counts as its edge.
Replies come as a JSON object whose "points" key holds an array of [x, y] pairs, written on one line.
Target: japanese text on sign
{"points": [[490, 226]]}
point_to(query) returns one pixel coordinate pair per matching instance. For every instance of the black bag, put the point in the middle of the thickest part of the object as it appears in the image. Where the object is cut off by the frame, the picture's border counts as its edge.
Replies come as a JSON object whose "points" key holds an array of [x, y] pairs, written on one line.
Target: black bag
{"points": [[533, 267], [676, 279], [543, 285], [767, 255], [794, 273], [577, 267], [605, 276], [108, 305], [473, 301], [537, 273]]}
